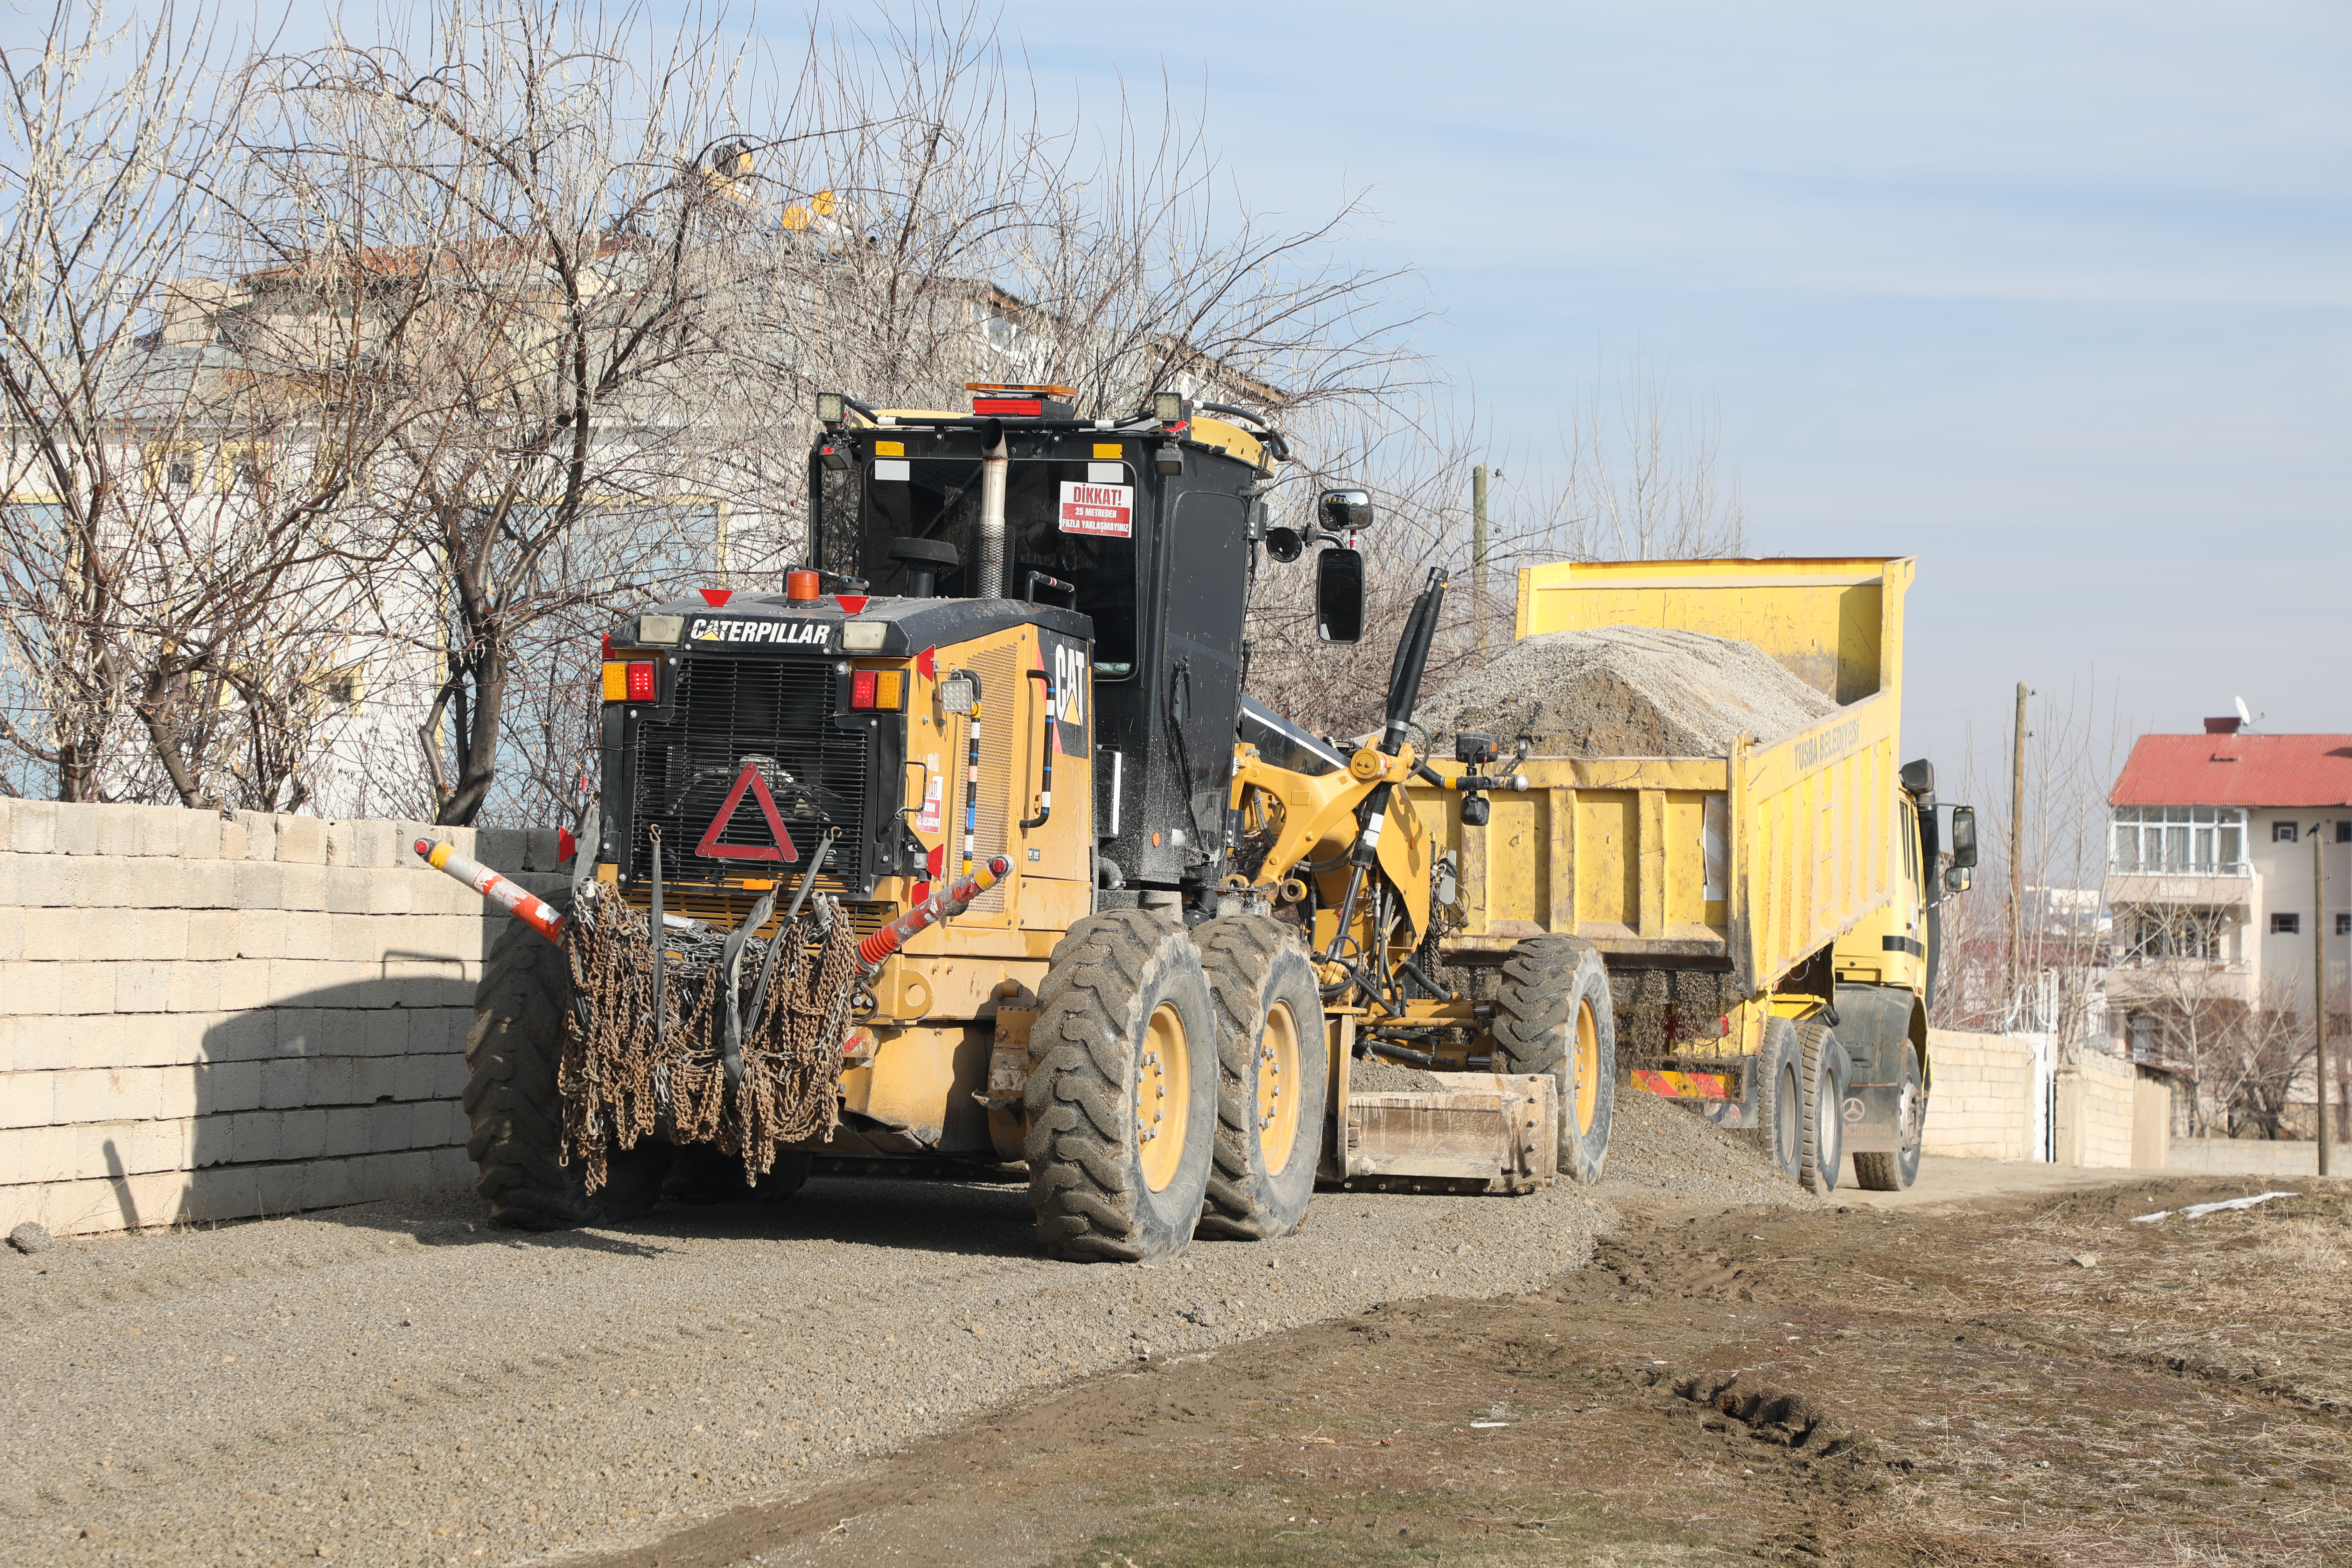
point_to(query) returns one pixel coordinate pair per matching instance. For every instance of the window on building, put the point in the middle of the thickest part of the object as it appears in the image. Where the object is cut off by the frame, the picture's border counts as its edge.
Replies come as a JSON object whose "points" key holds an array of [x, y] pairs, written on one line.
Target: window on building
{"points": [[2204, 840], [2286, 925], [2343, 833], [2155, 932], [2281, 832], [2343, 924]]}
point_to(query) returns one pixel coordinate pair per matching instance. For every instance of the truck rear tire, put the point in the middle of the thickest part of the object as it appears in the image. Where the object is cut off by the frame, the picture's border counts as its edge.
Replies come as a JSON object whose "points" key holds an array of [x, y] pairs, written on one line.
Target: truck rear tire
{"points": [[1780, 1129], [1823, 1062], [1122, 1092], [1885, 1173], [511, 1056], [1273, 1077], [1553, 1014]]}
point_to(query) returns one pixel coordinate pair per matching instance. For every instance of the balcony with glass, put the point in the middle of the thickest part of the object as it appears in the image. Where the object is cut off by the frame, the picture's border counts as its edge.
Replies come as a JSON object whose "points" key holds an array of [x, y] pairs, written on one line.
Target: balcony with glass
{"points": [[2179, 853]]}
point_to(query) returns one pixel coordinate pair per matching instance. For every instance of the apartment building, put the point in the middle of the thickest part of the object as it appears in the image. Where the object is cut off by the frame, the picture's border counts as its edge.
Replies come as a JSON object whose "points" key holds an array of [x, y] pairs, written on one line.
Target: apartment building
{"points": [[2210, 862]]}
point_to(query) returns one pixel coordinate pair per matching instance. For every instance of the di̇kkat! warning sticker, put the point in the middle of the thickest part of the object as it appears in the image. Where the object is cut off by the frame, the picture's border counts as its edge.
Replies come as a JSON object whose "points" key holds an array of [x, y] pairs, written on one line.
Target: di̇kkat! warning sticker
{"points": [[1107, 512]]}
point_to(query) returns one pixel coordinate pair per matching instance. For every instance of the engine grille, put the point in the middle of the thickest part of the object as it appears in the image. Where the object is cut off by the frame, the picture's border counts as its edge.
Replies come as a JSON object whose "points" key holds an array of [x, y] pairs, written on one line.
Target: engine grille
{"points": [[729, 712]]}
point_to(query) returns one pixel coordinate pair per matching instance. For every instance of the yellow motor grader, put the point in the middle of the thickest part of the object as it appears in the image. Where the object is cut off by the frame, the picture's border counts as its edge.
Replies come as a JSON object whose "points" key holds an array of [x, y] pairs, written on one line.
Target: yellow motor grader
{"points": [[966, 850]]}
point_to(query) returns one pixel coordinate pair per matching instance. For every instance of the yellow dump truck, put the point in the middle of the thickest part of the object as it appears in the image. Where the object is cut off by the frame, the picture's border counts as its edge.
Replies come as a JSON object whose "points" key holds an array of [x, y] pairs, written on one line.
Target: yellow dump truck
{"points": [[1797, 878]]}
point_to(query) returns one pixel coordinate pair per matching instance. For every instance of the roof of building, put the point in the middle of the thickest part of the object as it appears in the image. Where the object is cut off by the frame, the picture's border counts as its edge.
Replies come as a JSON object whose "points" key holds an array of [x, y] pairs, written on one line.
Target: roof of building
{"points": [[2286, 771]]}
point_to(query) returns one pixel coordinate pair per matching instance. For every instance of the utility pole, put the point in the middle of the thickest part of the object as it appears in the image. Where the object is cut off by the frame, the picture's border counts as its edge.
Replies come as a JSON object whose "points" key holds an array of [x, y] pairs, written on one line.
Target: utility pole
{"points": [[1478, 557], [2319, 979], [2017, 851]]}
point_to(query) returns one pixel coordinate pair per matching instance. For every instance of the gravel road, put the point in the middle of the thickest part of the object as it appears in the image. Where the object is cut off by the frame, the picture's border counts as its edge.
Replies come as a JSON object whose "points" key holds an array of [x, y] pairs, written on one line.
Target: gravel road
{"points": [[399, 1383]]}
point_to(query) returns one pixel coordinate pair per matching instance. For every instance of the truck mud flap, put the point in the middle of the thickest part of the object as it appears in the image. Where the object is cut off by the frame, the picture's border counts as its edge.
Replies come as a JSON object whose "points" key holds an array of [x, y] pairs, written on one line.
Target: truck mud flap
{"points": [[1869, 1111], [1493, 1132], [1725, 1095]]}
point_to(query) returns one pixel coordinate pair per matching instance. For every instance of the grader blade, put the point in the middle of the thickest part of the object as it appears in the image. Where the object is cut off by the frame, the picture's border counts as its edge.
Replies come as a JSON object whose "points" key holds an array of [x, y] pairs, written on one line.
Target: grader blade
{"points": [[1483, 1132]]}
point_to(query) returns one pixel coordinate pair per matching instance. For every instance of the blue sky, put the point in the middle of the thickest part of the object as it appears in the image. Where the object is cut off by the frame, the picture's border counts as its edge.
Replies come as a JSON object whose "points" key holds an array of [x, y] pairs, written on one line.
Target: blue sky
{"points": [[2054, 297]]}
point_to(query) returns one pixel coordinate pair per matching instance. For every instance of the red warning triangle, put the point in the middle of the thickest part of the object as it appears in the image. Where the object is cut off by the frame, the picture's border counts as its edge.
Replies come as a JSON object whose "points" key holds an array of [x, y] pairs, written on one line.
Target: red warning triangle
{"points": [[782, 849]]}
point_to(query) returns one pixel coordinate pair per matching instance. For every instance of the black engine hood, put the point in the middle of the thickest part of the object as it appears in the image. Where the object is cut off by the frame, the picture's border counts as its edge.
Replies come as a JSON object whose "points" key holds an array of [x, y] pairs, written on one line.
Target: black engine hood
{"points": [[769, 623]]}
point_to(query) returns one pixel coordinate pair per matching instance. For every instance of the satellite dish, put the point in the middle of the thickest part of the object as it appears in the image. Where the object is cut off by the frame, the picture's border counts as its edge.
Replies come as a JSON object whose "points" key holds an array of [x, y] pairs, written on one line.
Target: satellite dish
{"points": [[2244, 718]]}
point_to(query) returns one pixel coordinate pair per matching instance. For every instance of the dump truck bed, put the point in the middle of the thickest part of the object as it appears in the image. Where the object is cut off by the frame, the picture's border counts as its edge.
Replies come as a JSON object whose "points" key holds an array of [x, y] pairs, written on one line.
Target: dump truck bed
{"points": [[1748, 863]]}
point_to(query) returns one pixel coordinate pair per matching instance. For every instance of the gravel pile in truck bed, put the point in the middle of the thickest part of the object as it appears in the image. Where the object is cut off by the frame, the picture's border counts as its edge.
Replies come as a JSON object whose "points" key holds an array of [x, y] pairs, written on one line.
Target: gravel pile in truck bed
{"points": [[1624, 691]]}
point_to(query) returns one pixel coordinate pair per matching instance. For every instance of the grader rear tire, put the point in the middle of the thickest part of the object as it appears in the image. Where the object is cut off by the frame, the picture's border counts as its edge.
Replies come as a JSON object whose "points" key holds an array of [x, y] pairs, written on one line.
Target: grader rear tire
{"points": [[512, 1055], [1122, 1092], [1273, 1077], [1553, 1014]]}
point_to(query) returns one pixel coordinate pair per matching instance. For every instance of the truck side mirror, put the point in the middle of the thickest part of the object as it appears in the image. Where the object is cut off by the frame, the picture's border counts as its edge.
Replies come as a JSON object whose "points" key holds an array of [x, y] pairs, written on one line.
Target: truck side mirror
{"points": [[1339, 596], [1344, 511], [1964, 836], [1957, 878]]}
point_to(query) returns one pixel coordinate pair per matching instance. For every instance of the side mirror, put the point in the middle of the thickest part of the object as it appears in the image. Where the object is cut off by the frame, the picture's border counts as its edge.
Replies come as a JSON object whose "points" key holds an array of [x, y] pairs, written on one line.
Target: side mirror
{"points": [[1964, 836], [1284, 544], [1957, 878], [1343, 511], [1339, 596]]}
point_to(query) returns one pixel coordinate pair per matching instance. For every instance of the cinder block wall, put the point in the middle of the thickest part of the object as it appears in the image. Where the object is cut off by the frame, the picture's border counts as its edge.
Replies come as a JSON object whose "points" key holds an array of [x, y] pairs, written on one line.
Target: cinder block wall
{"points": [[1981, 1096], [2096, 1113], [210, 1017], [2252, 1156]]}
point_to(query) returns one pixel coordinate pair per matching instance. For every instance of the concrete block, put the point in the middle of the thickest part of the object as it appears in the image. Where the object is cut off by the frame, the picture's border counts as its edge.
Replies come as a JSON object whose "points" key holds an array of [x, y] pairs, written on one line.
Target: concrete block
{"points": [[119, 1094], [501, 848], [148, 1146], [347, 889], [306, 934], [162, 883], [302, 1134], [357, 937], [452, 1171], [301, 841], [235, 838], [211, 934], [210, 884], [304, 889], [158, 829], [542, 849], [141, 987], [117, 831], [254, 1137], [50, 934], [33, 826], [158, 1040], [177, 1093], [391, 1128], [261, 885], [244, 985], [373, 845], [302, 1031], [285, 1083], [385, 1035], [391, 892], [227, 1086], [37, 1045], [448, 1074], [348, 1130], [339, 839], [109, 883], [48, 880], [327, 1184], [200, 835], [335, 1081], [261, 834], [29, 1154], [241, 1034], [261, 933], [28, 1099], [280, 1189], [156, 936], [76, 829], [12, 932]]}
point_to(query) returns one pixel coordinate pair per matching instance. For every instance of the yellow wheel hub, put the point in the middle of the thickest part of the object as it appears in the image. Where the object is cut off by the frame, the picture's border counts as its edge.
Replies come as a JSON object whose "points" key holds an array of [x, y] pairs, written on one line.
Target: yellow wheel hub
{"points": [[1585, 1058], [1277, 1087], [1163, 1084]]}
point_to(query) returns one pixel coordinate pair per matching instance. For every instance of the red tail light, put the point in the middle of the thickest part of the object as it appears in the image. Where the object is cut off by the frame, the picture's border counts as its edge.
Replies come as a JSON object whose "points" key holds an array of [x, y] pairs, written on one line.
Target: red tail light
{"points": [[861, 688], [1030, 407], [641, 683]]}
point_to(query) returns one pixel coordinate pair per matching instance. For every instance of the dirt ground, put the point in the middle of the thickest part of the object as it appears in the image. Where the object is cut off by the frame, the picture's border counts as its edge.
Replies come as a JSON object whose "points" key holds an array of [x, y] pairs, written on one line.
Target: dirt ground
{"points": [[2014, 1380]]}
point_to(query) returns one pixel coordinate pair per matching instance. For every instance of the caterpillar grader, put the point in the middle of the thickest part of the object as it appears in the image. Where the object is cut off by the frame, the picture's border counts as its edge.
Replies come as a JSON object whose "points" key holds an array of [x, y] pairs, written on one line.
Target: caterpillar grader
{"points": [[966, 851]]}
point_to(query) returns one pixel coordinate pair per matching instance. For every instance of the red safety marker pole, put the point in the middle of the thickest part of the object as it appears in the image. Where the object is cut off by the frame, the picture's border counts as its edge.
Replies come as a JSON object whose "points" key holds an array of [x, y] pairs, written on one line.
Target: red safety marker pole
{"points": [[526, 907], [945, 904]]}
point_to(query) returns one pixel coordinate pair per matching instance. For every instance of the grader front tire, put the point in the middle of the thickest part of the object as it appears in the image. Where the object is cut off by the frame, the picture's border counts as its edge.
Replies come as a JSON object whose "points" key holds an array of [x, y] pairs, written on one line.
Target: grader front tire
{"points": [[1553, 1014], [517, 1117], [1122, 1092], [1273, 1077]]}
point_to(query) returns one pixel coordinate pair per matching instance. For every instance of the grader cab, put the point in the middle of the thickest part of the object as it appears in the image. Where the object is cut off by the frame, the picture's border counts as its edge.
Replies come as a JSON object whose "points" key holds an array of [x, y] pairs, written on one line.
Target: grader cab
{"points": [[966, 849]]}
